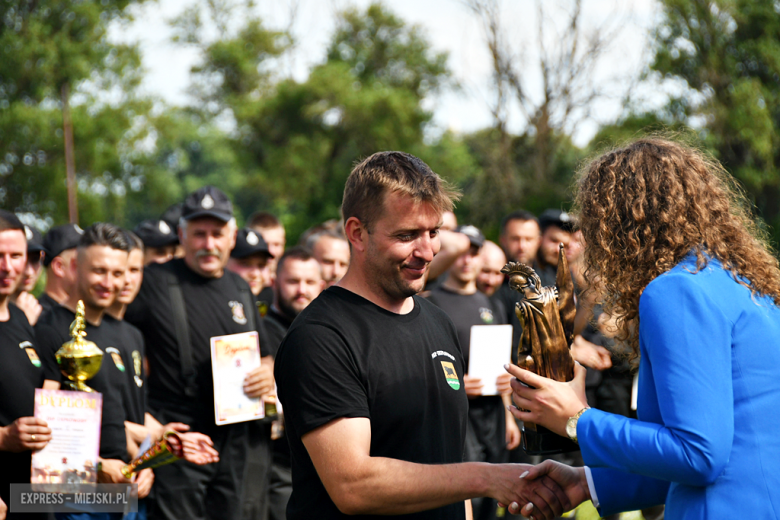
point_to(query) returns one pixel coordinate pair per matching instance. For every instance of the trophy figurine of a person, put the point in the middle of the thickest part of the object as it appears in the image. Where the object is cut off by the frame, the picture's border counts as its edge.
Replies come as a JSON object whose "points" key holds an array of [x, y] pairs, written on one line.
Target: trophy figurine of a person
{"points": [[547, 316]]}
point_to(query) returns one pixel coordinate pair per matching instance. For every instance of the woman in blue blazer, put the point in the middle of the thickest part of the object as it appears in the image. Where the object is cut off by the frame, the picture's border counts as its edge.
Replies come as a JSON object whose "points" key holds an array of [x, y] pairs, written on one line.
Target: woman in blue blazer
{"points": [[683, 267]]}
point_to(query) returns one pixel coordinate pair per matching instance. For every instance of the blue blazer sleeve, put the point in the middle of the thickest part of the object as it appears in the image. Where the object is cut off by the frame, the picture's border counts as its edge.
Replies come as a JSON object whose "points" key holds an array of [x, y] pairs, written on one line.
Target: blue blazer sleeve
{"points": [[634, 492], [685, 378]]}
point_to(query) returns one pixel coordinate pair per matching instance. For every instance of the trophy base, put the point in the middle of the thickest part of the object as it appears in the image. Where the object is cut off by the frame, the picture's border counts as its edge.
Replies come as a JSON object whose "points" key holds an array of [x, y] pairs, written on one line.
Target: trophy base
{"points": [[544, 442], [76, 386]]}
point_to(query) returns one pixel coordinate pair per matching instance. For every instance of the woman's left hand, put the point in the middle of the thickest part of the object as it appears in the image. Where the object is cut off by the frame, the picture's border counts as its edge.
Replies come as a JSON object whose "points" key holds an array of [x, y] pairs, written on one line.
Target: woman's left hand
{"points": [[548, 403]]}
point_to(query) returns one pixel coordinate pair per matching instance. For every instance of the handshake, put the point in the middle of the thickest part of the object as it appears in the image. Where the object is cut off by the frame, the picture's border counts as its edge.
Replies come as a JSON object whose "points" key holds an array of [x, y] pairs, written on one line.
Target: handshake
{"points": [[544, 491]]}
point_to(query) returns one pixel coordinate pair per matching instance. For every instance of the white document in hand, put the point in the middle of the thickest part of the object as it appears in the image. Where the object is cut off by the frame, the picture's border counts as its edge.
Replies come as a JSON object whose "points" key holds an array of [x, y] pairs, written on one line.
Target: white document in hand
{"points": [[490, 348]]}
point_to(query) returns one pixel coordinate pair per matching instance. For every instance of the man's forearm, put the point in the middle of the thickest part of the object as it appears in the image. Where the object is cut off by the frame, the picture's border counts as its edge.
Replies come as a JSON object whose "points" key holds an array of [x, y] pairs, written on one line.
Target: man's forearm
{"points": [[392, 487]]}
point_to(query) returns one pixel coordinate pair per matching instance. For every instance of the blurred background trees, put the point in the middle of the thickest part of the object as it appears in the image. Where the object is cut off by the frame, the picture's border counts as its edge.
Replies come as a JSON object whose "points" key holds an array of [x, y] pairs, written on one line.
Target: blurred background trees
{"points": [[286, 145]]}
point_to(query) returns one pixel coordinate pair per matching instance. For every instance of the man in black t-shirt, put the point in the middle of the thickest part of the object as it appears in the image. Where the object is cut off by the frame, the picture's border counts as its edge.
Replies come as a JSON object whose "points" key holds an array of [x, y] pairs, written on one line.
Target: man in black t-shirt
{"points": [[182, 304], [370, 375], [20, 369], [298, 282], [99, 274], [492, 429]]}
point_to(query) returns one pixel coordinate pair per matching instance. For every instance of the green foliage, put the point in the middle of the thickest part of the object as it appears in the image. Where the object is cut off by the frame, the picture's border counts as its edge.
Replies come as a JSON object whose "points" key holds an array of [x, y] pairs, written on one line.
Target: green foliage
{"points": [[728, 53]]}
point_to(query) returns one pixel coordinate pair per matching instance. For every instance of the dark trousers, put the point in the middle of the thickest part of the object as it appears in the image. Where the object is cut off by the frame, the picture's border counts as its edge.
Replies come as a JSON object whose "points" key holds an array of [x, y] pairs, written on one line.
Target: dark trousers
{"points": [[184, 490], [279, 491], [256, 472]]}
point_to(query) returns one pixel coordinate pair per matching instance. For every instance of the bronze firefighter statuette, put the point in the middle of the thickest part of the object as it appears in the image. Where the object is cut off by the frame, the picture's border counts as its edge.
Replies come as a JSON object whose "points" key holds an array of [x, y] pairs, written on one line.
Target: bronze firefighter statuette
{"points": [[547, 316]]}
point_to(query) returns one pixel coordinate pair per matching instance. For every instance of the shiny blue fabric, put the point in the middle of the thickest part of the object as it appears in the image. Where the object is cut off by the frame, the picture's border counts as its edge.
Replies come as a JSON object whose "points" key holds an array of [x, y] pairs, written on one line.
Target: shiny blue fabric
{"points": [[707, 442]]}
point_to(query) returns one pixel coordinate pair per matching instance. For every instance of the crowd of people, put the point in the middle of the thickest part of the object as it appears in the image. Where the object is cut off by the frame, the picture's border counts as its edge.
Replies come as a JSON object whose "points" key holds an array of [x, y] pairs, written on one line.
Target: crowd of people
{"points": [[154, 296], [364, 329]]}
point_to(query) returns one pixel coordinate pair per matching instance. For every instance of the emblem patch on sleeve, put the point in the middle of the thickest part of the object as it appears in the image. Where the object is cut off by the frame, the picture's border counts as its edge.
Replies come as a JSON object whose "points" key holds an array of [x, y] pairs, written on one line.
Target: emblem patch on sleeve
{"points": [[31, 353], [117, 358], [450, 375]]}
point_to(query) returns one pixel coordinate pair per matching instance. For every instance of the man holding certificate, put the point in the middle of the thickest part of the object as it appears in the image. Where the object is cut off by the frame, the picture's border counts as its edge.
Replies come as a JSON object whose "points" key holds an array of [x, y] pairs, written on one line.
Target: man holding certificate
{"points": [[185, 308], [371, 375]]}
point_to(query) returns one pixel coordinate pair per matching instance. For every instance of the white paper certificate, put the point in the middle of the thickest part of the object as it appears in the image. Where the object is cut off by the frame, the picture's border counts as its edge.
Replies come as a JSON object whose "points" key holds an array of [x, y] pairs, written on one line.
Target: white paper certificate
{"points": [[71, 456], [490, 348], [232, 358]]}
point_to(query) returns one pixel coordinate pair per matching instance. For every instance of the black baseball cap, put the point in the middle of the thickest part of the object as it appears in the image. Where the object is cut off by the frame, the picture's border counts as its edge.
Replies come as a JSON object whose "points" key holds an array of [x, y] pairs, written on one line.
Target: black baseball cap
{"points": [[476, 237], [557, 218], [249, 242], [59, 239], [208, 201], [34, 239], [156, 233]]}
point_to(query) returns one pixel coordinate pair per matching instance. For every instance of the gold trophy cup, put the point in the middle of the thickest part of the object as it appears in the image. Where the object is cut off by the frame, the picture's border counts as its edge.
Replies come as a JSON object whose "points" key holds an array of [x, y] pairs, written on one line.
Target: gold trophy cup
{"points": [[79, 359]]}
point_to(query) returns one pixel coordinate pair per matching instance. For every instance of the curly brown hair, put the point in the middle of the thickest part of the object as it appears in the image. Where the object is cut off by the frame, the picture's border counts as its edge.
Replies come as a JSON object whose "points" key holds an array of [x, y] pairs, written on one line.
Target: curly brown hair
{"points": [[644, 207]]}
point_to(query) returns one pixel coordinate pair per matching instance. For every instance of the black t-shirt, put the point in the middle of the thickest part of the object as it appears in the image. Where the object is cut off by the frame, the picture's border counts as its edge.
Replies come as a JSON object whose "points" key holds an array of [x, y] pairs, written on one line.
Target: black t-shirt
{"points": [[487, 418], [51, 331], [20, 374], [125, 356], [47, 303], [343, 356], [214, 308]]}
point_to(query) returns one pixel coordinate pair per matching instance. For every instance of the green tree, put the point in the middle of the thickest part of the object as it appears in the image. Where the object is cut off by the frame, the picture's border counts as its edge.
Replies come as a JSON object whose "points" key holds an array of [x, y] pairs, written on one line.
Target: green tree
{"points": [[728, 54], [297, 141], [49, 50]]}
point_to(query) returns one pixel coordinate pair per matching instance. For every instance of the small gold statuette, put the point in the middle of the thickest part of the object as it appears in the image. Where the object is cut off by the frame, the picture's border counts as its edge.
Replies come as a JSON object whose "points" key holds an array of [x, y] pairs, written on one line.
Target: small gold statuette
{"points": [[547, 316], [162, 452], [79, 359]]}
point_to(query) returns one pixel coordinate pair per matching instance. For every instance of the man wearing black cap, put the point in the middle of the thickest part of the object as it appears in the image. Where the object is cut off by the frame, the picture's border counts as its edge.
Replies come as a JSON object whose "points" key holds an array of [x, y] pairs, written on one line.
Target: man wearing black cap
{"points": [[557, 227], [20, 369], [492, 430], [23, 298], [159, 239], [60, 246], [182, 304], [249, 259]]}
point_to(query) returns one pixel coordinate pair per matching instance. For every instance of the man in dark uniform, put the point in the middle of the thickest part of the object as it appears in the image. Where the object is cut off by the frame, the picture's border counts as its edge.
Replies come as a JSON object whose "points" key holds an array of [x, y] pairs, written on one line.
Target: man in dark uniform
{"points": [[60, 246], [249, 260], [374, 415], [20, 369], [298, 282], [492, 429], [99, 273], [182, 304]]}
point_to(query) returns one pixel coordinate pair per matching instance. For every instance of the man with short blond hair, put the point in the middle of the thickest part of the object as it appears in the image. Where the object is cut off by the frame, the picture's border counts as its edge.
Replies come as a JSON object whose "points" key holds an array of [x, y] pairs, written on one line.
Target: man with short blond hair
{"points": [[371, 375]]}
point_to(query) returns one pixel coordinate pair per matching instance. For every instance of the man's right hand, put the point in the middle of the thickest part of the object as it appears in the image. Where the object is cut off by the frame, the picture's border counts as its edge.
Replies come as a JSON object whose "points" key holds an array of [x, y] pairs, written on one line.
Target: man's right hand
{"points": [[111, 472], [571, 480], [3, 509], [25, 433], [511, 487]]}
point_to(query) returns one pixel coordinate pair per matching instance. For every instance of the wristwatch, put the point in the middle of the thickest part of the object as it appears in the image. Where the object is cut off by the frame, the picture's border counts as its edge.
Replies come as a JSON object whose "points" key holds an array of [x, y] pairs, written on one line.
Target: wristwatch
{"points": [[571, 425]]}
